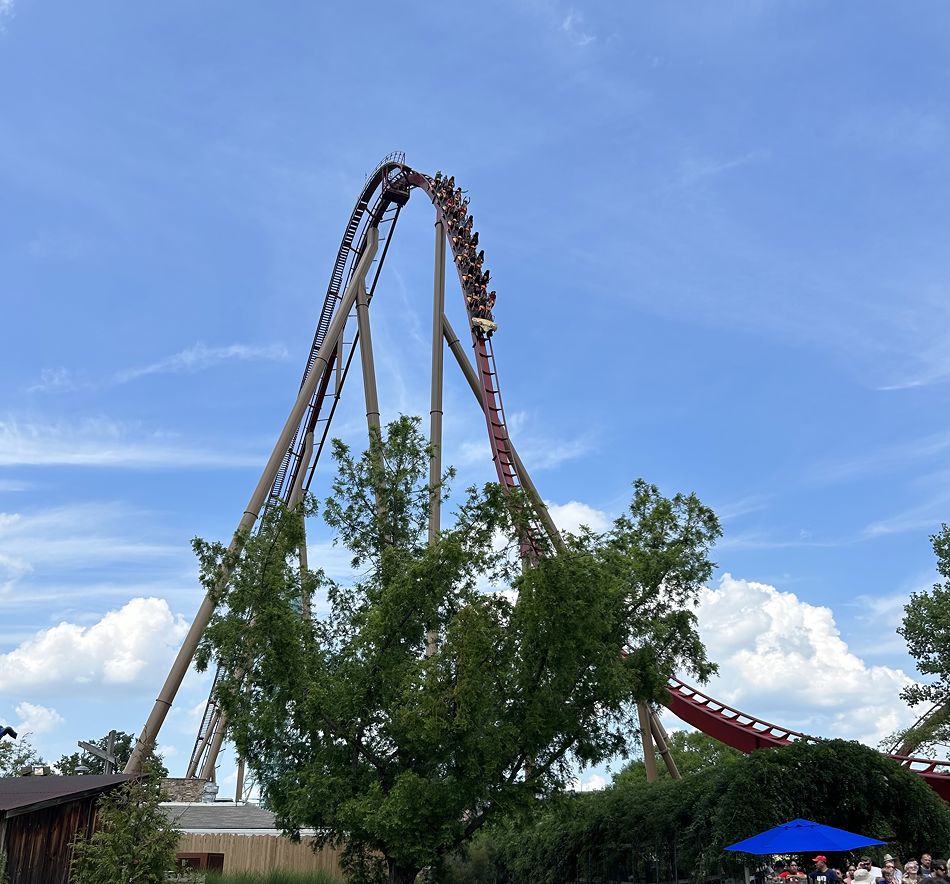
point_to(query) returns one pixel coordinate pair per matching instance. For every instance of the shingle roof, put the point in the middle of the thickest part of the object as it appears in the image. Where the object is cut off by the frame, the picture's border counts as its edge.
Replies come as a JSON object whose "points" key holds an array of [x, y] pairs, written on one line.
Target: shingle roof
{"points": [[21, 793], [213, 817]]}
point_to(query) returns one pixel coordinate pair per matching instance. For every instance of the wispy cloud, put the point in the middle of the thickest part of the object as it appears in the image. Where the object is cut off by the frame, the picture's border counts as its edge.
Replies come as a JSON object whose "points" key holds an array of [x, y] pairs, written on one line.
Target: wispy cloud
{"points": [[71, 538], [924, 517], [883, 460], [56, 380], [751, 503], [191, 360], [536, 451], [106, 443], [200, 357], [695, 169], [574, 26], [6, 11]]}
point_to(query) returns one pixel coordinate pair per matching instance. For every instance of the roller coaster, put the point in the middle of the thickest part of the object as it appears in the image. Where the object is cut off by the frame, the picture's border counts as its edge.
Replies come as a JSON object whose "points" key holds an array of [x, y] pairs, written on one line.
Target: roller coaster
{"points": [[292, 464]]}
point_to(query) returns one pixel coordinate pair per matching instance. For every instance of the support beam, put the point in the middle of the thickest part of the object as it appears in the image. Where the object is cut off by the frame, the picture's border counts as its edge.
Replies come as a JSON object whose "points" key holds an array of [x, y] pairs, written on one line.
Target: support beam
{"points": [[649, 758], [239, 787], [214, 748], [146, 740], [366, 360], [435, 405], [461, 357], [662, 740]]}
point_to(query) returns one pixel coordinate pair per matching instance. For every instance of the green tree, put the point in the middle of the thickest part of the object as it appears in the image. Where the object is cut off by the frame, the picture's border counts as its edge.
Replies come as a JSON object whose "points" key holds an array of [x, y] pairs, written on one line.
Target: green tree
{"points": [[15, 755], [686, 823], [353, 730], [693, 752], [134, 842], [837, 782], [926, 629], [68, 765]]}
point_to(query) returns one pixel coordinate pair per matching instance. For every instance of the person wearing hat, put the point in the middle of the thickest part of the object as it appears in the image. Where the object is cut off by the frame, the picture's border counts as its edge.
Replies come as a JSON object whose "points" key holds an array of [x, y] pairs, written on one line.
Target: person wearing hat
{"points": [[861, 876], [890, 871], [822, 874]]}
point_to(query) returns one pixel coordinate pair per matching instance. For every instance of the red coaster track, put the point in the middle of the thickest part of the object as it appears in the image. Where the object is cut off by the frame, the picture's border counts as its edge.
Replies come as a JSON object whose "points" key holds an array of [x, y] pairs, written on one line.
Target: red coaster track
{"points": [[748, 733]]}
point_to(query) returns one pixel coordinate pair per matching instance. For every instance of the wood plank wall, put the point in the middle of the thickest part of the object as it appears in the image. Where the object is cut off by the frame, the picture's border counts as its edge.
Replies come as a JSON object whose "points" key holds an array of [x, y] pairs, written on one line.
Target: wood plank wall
{"points": [[39, 844], [264, 853]]}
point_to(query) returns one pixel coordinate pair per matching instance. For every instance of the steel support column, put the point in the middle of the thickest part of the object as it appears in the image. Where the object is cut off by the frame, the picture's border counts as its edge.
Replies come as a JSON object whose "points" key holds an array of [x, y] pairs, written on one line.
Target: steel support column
{"points": [[646, 738], [662, 740], [435, 405], [366, 361], [146, 740]]}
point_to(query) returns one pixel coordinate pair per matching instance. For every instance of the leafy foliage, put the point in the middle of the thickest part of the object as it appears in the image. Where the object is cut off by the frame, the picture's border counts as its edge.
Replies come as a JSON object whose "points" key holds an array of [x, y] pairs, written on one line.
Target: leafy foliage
{"points": [[926, 628], [353, 730], [683, 825], [134, 843], [17, 755], [122, 747]]}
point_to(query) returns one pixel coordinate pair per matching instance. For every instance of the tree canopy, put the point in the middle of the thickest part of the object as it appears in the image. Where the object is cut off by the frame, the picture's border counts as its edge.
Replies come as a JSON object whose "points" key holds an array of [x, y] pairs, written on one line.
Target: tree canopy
{"points": [[926, 629], [678, 828], [15, 755], [352, 729]]}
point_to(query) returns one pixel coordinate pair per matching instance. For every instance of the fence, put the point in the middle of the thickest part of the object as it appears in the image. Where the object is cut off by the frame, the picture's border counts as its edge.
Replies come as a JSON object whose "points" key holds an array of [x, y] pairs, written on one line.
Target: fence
{"points": [[264, 853]]}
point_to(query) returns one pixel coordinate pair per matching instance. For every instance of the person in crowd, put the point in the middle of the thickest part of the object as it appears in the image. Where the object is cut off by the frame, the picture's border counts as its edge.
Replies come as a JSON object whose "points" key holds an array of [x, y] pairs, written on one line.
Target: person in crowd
{"points": [[822, 874], [891, 865], [911, 872], [873, 870], [926, 866], [939, 869], [861, 876], [792, 873], [849, 872]]}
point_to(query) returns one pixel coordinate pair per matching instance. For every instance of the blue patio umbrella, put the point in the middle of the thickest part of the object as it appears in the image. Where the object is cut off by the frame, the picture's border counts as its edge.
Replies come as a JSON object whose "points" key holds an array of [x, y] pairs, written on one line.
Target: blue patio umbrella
{"points": [[799, 836]]}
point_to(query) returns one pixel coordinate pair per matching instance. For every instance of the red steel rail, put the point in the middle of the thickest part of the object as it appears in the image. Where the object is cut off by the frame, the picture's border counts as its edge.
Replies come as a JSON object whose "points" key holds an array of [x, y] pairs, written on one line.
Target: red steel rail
{"points": [[748, 733]]}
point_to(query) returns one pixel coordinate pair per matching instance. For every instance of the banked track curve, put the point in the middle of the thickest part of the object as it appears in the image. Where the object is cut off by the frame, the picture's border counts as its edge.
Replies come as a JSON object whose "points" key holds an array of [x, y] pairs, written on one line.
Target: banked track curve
{"points": [[748, 733]]}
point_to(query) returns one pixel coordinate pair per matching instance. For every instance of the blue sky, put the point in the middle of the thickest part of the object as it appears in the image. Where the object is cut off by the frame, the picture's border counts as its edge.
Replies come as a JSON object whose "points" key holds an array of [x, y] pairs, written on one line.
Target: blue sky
{"points": [[719, 236]]}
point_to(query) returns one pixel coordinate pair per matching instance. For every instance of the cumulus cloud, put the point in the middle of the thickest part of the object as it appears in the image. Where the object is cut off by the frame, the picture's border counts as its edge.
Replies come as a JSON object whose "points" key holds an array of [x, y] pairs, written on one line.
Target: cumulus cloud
{"points": [[37, 719], [571, 515], [120, 649], [784, 659]]}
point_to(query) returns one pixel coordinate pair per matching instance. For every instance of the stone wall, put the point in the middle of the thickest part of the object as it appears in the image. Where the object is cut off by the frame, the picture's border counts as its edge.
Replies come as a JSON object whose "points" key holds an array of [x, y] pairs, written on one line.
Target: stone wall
{"points": [[183, 789]]}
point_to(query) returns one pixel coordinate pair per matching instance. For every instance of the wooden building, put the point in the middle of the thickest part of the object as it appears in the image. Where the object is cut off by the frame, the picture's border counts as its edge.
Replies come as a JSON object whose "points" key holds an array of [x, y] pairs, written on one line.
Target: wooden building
{"points": [[39, 819], [243, 838]]}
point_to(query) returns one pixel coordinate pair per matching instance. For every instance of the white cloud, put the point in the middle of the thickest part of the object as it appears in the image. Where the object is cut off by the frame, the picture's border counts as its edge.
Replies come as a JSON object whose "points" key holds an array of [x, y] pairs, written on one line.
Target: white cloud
{"points": [[571, 515], [573, 25], [190, 360], [591, 782], [71, 537], [54, 380], [784, 659], [125, 647], [37, 719], [200, 357], [104, 443]]}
